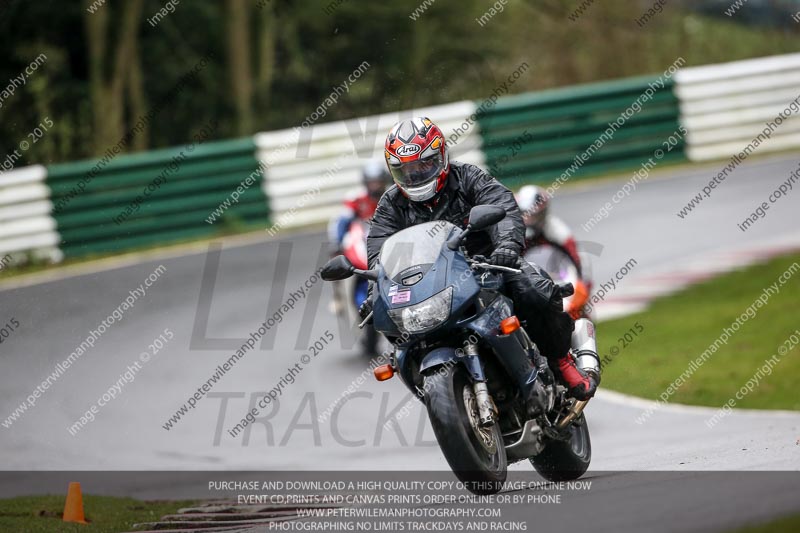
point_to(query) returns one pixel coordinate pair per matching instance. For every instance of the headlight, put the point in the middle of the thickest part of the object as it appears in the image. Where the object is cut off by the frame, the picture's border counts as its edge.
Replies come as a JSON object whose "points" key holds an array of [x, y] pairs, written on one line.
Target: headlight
{"points": [[425, 315]]}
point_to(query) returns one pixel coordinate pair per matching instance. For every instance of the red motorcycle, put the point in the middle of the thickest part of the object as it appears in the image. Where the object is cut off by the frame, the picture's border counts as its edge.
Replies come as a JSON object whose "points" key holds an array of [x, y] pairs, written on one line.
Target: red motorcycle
{"points": [[354, 246]]}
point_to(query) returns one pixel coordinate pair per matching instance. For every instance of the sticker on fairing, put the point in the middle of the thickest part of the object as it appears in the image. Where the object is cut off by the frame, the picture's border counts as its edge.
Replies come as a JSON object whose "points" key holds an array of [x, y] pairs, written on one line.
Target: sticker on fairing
{"points": [[401, 297], [392, 290]]}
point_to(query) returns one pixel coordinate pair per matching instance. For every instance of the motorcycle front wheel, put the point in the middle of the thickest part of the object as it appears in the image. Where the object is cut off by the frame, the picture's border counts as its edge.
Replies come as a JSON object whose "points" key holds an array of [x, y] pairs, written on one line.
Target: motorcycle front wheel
{"points": [[476, 454]]}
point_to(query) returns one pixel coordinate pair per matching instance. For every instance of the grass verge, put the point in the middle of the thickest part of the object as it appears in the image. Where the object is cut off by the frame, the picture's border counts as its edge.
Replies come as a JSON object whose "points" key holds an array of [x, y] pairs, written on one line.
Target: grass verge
{"points": [[42, 514], [646, 352], [790, 524]]}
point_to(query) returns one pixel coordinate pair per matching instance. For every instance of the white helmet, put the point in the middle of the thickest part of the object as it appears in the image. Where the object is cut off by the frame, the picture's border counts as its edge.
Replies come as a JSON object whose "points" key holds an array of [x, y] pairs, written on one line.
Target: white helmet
{"points": [[533, 201]]}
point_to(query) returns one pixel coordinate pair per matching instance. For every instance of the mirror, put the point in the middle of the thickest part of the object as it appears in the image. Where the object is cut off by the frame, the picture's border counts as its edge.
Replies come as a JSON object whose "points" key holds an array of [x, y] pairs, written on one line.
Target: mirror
{"points": [[455, 241], [480, 218], [371, 275], [484, 216], [337, 269]]}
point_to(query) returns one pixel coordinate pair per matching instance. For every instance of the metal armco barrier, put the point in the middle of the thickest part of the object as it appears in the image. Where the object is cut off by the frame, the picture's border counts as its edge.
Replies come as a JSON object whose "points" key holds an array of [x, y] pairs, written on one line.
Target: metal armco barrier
{"points": [[25, 221], [116, 211], [726, 106], [535, 137]]}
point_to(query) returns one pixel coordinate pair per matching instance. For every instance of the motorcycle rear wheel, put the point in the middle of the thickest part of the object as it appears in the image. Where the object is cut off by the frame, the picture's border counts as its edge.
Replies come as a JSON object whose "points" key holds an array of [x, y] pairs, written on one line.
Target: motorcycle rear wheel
{"points": [[476, 455], [566, 460]]}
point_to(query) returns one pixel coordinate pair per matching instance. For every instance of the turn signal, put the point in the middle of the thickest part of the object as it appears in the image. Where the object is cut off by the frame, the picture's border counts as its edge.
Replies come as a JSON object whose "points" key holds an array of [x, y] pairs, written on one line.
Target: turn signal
{"points": [[383, 372], [509, 325]]}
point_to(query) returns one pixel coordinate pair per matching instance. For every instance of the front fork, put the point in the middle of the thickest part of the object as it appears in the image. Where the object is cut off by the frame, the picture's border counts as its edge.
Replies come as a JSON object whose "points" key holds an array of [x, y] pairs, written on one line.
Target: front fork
{"points": [[487, 412]]}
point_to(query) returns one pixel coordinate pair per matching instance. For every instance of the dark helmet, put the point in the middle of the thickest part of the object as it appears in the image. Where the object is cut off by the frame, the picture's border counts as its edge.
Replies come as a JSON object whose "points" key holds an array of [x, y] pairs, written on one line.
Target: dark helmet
{"points": [[376, 178], [416, 154]]}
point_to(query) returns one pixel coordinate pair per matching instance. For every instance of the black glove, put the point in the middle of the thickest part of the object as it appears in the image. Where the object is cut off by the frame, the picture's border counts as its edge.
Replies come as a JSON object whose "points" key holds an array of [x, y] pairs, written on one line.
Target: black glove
{"points": [[505, 257]]}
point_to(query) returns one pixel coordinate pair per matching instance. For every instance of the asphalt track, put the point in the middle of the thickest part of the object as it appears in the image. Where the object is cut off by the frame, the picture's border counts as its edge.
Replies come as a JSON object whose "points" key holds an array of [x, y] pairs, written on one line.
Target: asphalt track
{"points": [[213, 300]]}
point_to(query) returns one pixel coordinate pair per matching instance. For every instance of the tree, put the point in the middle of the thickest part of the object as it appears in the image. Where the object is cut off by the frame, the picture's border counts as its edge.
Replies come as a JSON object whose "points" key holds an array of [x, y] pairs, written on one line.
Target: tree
{"points": [[239, 61], [110, 75]]}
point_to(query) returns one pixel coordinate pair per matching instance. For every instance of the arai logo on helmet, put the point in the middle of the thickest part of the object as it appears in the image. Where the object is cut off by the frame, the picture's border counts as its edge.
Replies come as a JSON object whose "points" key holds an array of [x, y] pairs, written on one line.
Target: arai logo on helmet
{"points": [[408, 149]]}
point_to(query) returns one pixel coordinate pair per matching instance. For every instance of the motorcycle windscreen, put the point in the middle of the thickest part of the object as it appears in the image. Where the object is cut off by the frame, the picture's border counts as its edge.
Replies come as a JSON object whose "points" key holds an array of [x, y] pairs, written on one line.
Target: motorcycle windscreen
{"points": [[411, 252], [554, 261]]}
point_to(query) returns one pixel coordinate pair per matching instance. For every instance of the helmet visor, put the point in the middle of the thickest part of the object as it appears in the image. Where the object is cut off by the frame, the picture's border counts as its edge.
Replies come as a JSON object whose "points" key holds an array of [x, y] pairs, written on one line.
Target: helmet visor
{"points": [[418, 173]]}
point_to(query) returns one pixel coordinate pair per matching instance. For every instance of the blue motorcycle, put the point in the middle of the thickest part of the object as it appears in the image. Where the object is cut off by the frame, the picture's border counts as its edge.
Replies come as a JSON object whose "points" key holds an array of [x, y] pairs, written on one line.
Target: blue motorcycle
{"points": [[490, 395]]}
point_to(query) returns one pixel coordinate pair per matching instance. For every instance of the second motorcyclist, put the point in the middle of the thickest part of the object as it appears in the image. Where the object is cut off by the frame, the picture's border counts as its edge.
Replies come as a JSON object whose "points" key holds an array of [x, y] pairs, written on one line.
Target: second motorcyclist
{"points": [[542, 227], [542, 230], [359, 207]]}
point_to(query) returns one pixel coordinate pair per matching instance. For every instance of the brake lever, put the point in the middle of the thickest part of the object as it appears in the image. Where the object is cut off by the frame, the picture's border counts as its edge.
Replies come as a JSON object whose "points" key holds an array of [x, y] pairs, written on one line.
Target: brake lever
{"points": [[489, 266]]}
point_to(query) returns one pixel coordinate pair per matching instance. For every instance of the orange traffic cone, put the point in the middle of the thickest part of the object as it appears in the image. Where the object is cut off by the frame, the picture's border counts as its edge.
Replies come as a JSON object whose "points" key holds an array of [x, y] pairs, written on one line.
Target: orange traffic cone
{"points": [[73, 508]]}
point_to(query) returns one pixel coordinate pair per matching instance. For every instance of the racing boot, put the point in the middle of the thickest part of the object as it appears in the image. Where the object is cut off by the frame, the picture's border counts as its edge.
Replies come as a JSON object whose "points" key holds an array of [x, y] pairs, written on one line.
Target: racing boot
{"points": [[581, 373], [580, 385]]}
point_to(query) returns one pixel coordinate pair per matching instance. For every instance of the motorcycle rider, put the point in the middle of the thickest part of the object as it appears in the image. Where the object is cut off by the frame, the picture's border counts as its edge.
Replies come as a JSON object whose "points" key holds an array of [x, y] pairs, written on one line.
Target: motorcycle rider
{"points": [[428, 186], [542, 227], [360, 205], [545, 229]]}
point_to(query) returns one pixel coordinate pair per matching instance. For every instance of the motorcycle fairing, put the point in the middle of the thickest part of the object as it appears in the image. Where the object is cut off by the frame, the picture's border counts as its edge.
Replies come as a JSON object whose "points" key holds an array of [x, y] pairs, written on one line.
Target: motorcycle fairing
{"points": [[448, 268]]}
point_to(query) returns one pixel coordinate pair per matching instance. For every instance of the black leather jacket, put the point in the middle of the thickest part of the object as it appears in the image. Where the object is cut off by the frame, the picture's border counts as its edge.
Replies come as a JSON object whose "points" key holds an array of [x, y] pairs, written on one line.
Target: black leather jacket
{"points": [[467, 186]]}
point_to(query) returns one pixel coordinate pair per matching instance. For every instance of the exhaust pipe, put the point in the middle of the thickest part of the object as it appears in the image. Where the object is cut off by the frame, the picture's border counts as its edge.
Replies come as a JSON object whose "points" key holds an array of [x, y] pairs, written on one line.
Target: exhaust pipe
{"points": [[574, 412], [584, 348]]}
